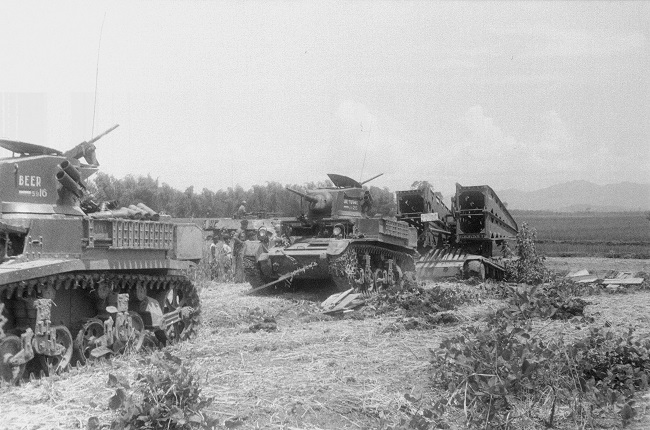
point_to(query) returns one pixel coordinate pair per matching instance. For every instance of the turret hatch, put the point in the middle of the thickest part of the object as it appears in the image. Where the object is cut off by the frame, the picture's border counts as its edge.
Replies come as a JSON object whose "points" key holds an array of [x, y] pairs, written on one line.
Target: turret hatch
{"points": [[341, 181], [27, 148]]}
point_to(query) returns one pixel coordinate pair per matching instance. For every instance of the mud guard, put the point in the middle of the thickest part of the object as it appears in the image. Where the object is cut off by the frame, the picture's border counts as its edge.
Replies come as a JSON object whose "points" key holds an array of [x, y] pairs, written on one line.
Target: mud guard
{"points": [[337, 247]]}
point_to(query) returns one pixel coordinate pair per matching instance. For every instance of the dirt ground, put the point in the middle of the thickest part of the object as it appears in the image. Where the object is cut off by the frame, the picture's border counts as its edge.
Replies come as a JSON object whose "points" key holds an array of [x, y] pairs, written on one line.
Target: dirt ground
{"points": [[313, 372]]}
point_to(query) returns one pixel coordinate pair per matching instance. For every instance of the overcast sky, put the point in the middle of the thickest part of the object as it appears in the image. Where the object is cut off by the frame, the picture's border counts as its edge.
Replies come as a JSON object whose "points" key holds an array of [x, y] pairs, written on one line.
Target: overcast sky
{"points": [[210, 94]]}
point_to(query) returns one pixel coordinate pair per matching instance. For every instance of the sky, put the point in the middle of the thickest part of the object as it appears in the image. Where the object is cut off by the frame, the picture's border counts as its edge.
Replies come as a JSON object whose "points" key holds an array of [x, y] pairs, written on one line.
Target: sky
{"points": [[213, 94]]}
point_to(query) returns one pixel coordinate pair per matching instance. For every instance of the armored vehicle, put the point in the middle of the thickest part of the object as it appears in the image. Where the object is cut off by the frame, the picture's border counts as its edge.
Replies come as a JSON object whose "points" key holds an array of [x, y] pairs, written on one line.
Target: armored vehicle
{"points": [[335, 240], [463, 240], [76, 285]]}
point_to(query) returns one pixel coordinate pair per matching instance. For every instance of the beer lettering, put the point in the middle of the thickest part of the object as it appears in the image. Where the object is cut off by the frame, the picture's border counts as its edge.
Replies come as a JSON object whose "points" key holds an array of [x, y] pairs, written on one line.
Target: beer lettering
{"points": [[29, 181]]}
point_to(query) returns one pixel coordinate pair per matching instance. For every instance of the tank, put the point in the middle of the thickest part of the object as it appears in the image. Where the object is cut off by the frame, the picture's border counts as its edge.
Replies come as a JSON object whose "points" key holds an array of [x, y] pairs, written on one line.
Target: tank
{"points": [[77, 284], [461, 241], [335, 240]]}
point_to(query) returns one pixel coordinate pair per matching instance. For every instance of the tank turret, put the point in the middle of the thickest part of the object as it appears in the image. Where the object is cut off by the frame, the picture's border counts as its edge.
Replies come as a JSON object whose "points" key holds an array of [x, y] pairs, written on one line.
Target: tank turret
{"points": [[320, 201], [346, 199]]}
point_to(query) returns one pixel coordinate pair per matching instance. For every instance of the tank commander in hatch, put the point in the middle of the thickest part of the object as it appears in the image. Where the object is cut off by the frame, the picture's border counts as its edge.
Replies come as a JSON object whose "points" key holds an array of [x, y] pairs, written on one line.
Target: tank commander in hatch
{"points": [[241, 212]]}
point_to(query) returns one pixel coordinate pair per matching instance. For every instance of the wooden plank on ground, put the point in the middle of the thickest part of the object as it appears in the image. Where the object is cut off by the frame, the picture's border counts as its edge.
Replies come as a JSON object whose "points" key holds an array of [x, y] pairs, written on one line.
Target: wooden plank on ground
{"points": [[332, 300], [578, 273], [623, 281], [343, 303]]}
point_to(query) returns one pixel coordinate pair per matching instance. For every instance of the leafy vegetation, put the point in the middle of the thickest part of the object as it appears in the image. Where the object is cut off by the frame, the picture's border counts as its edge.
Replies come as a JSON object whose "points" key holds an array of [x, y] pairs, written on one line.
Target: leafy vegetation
{"points": [[546, 301], [504, 374], [528, 267], [168, 396]]}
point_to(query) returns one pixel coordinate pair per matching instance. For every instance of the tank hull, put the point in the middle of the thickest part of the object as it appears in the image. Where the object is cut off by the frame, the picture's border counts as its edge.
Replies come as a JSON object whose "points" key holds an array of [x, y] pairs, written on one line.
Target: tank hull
{"points": [[382, 246], [82, 288]]}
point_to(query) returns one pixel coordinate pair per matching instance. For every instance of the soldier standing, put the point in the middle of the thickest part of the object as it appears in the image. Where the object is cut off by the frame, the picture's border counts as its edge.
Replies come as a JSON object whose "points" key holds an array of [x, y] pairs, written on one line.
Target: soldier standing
{"points": [[214, 257], [238, 251], [241, 212], [225, 258]]}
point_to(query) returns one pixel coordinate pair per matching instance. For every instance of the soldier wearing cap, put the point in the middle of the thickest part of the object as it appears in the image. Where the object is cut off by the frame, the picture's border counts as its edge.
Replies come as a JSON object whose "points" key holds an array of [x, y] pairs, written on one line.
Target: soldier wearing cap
{"points": [[241, 212]]}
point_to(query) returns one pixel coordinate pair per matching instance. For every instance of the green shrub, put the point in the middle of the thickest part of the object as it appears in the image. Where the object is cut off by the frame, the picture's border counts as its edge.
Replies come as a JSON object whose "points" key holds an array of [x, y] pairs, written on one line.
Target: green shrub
{"points": [[528, 266], [167, 397], [503, 372], [417, 301], [553, 301]]}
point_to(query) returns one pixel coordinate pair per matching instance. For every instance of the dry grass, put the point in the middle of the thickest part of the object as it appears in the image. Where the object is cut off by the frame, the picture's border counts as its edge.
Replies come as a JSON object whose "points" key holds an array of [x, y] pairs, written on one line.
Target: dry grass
{"points": [[314, 372], [343, 373]]}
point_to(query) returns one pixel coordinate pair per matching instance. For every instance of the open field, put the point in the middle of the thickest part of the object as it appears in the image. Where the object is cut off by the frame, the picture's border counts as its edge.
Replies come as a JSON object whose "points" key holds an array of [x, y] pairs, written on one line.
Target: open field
{"points": [[624, 234], [314, 371]]}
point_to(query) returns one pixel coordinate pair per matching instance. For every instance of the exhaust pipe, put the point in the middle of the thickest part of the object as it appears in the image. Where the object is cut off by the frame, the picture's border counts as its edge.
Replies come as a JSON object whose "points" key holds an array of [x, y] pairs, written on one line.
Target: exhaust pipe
{"points": [[142, 213], [152, 213]]}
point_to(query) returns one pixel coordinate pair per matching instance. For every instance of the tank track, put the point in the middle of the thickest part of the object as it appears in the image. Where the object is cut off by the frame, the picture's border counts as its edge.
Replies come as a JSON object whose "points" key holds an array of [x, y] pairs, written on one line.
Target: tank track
{"points": [[357, 268], [173, 292]]}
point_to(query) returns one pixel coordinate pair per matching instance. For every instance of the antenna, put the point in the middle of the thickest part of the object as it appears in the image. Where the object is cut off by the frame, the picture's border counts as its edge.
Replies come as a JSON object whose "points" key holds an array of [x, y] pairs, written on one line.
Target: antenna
{"points": [[363, 165], [101, 31]]}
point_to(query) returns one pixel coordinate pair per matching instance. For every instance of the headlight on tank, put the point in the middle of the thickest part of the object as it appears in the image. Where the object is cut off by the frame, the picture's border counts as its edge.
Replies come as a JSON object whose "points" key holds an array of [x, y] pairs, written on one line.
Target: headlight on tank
{"points": [[337, 231], [262, 233]]}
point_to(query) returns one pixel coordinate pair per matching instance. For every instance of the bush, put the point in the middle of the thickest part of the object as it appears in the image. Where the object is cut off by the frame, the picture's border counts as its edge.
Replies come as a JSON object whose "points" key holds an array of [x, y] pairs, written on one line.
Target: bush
{"points": [[169, 397], [417, 301], [528, 266], [503, 372], [553, 301]]}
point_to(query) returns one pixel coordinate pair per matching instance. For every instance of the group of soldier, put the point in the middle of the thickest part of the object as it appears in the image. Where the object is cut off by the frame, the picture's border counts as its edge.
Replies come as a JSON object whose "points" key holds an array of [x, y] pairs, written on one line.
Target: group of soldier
{"points": [[226, 254], [227, 249]]}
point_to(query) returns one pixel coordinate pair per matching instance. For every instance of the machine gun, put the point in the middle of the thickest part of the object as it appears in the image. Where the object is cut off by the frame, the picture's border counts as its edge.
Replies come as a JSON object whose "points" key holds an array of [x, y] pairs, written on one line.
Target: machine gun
{"points": [[87, 149], [70, 176]]}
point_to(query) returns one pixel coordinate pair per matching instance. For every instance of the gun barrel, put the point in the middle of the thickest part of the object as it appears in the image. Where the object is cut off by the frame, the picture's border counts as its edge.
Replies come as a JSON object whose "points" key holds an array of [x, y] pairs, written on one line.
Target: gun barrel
{"points": [[310, 199], [87, 149], [99, 136], [374, 177]]}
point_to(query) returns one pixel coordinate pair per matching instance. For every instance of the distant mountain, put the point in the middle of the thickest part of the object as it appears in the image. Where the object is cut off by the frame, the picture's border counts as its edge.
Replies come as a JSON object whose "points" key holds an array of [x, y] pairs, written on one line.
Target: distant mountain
{"points": [[579, 196]]}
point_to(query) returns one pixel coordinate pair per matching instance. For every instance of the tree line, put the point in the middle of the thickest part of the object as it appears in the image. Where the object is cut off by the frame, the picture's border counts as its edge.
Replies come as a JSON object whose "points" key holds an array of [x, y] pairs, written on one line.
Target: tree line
{"points": [[271, 199]]}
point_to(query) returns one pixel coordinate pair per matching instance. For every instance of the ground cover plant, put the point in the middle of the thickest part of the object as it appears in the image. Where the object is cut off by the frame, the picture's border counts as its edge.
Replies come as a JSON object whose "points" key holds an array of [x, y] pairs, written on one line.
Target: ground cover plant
{"points": [[421, 308], [167, 396], [506, 375]]}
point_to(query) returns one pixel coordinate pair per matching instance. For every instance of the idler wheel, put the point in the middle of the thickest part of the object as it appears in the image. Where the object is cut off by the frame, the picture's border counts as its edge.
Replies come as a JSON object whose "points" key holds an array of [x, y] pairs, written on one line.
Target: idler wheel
{"points": [[10, 346], [87, 339], [56, 363]]}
